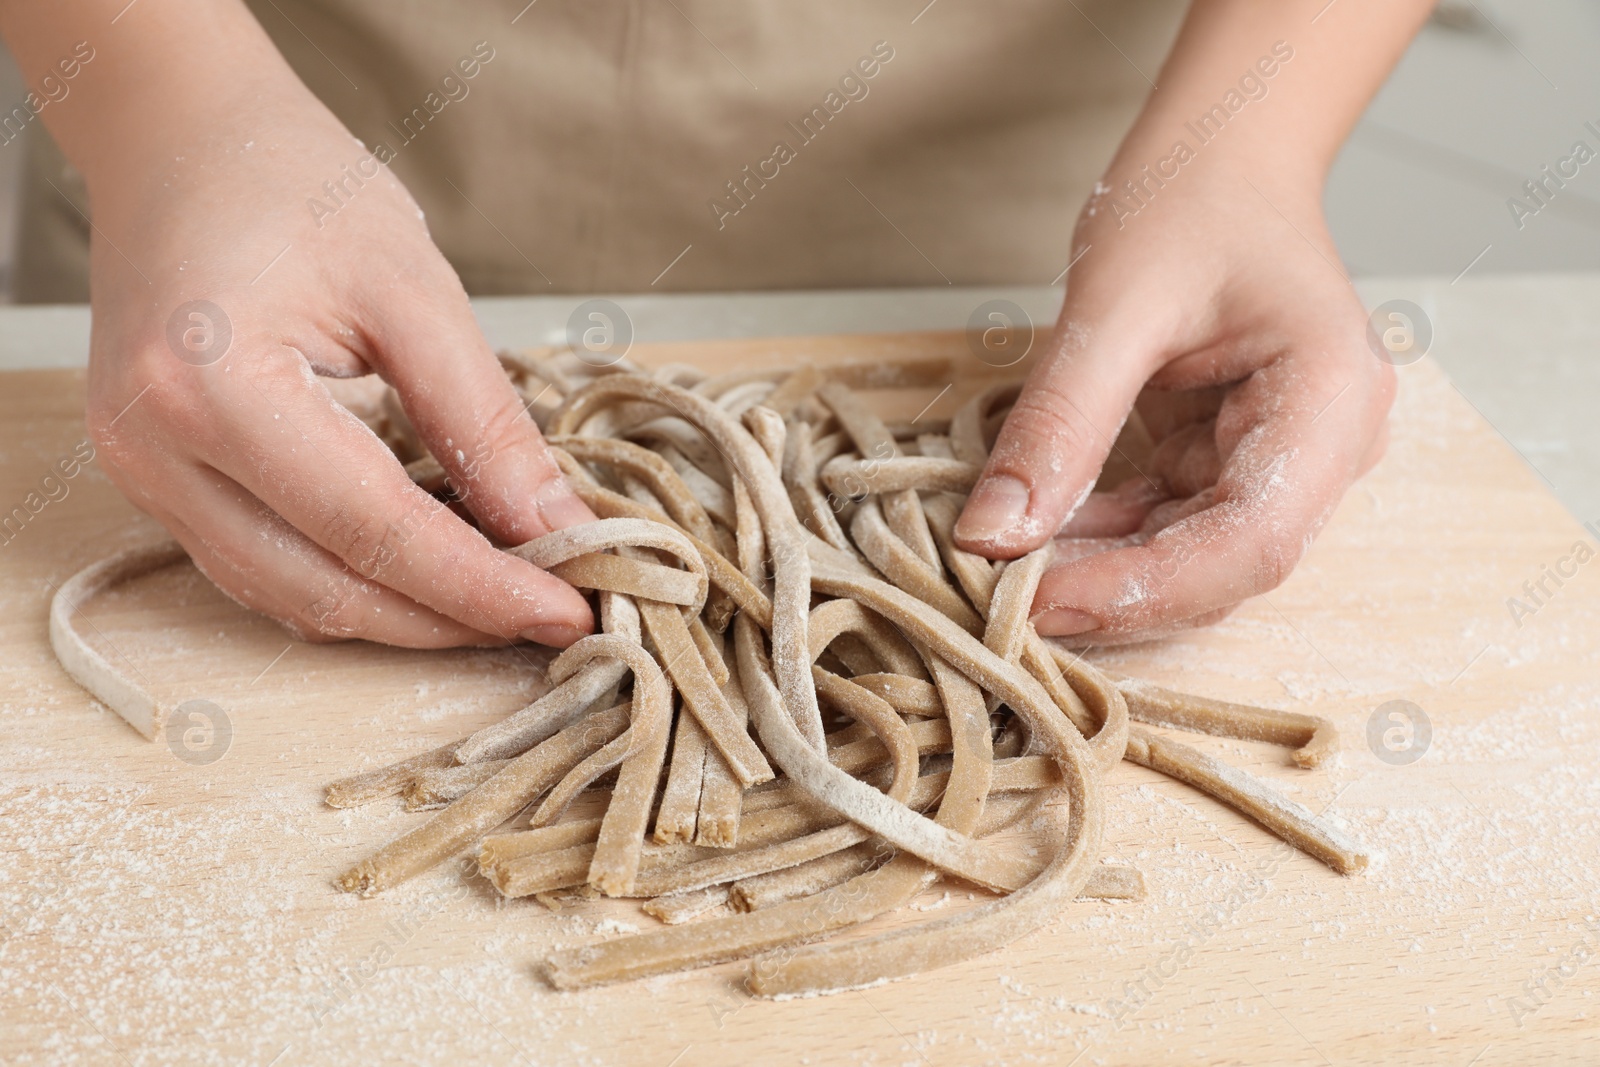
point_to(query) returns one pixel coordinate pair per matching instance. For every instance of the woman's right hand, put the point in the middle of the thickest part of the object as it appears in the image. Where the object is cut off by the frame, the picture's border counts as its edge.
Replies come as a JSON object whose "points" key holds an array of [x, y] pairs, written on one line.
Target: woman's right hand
{"points": [[219, 296]]}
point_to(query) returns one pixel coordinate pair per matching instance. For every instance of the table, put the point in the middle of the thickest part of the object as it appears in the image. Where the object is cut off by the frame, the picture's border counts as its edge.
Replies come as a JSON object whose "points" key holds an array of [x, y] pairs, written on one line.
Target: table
{"points": [[158, 908]]}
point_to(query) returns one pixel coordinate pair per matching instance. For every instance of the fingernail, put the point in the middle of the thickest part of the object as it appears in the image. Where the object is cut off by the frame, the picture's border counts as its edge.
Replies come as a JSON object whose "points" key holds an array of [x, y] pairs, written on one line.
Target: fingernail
{"points": [[560, 507], [998, 507], [555, 635], [1064, 622]]}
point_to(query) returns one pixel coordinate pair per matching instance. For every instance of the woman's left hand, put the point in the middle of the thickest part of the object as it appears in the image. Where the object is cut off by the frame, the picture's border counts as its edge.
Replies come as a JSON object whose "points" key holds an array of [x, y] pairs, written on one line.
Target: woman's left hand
{"points": [[1221, 313]]}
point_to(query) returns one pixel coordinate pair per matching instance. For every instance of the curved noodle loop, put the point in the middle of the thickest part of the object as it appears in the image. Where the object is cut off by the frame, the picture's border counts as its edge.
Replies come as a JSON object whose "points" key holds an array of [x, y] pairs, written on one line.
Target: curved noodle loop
{"points": [[831, 706]]}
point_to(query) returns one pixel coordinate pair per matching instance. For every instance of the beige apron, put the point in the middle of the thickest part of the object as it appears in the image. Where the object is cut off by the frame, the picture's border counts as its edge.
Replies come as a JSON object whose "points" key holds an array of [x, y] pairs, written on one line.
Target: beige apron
{"points": [[627, 145]]}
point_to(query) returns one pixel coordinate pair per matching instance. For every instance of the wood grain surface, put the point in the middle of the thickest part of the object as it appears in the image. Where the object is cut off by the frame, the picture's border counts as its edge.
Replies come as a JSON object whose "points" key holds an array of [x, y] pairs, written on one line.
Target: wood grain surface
{"points": [[160, 908]]}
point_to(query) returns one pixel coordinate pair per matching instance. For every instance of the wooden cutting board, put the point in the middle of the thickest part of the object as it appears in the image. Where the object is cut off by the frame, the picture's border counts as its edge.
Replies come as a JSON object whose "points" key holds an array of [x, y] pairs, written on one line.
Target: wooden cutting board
{"points": [[162, 908]]}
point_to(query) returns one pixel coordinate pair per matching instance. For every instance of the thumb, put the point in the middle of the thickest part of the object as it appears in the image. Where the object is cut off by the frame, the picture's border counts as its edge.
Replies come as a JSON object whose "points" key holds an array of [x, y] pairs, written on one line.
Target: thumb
{"points": [[1055, 439]]}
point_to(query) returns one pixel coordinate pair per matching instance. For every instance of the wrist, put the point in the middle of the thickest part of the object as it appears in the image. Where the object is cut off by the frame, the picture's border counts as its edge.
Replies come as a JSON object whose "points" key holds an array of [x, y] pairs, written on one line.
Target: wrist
{"points": [[1242, 123], [1256, 92], [1197, 185]]}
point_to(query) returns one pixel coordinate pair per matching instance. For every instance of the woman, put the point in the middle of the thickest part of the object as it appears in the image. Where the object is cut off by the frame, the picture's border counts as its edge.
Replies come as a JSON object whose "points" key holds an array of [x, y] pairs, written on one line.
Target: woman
{"points": [[603, 147]]}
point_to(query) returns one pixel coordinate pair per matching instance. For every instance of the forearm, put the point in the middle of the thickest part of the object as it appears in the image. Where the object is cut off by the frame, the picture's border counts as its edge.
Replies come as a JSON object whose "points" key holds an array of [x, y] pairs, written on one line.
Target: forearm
{"points": [[1261, 89], [158, 77]]}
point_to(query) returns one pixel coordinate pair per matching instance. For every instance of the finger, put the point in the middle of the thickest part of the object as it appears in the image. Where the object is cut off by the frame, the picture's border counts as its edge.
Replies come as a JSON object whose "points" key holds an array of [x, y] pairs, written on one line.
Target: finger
{"points": [[1099, 639], [471, 418], [1380, 445], [1113, 514], [1166, 411], [1058, 434], [1068, 549], [265, 564], [1188, 460], [1282, 479], [1170, 511], [325, 473]]}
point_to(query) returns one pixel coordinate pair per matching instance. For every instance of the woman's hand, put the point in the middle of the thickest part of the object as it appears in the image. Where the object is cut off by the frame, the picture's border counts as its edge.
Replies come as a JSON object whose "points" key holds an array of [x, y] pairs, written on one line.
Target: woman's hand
{"points": [[1223, 318], [1214, 303], [219, 296]]}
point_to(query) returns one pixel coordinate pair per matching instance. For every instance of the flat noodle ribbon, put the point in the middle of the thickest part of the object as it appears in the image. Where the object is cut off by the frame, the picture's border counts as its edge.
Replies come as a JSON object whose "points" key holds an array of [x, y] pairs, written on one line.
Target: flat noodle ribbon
{"points": [[751, 565]]}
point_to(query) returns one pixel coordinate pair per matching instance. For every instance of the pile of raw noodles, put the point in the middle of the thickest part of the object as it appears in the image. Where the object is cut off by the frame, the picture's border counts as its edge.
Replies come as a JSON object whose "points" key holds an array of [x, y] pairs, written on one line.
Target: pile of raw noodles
{"points": [[806, 704]]}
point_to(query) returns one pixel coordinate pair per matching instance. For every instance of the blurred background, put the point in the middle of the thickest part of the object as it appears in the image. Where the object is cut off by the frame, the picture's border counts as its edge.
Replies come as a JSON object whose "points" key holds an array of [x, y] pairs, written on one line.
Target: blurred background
{"points": [[1489, 93]]}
